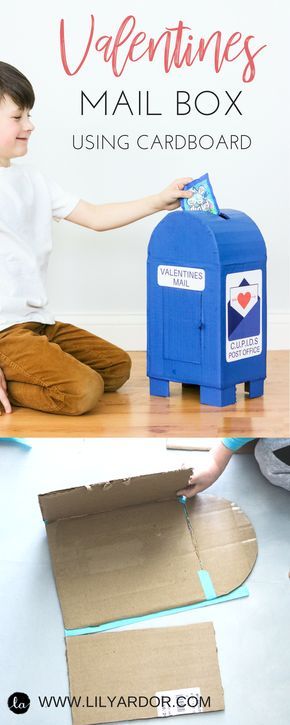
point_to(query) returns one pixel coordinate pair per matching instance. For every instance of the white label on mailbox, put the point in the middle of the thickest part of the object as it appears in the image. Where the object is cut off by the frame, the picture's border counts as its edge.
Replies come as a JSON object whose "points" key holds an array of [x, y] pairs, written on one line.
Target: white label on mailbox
{"points": [[243, 315], [181, 277]]}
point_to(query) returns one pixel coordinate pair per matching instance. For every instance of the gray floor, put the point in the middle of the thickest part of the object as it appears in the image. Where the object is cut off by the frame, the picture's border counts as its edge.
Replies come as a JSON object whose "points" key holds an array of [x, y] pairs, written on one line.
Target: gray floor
{"points": [[253, 634]]}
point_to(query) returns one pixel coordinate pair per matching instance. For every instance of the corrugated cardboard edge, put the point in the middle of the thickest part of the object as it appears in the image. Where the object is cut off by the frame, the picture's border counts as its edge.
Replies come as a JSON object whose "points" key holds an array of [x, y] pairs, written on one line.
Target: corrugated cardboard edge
{"points": [[110, 495]]}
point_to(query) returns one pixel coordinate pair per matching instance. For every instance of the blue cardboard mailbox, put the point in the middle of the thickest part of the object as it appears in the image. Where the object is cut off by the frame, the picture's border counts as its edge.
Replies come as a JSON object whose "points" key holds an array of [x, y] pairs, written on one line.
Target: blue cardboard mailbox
{"points": [[206, 305]]}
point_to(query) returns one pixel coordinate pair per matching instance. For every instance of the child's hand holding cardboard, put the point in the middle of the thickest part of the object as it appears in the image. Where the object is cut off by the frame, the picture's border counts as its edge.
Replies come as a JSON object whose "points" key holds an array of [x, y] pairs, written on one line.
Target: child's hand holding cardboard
{"points": [[205, 475]]}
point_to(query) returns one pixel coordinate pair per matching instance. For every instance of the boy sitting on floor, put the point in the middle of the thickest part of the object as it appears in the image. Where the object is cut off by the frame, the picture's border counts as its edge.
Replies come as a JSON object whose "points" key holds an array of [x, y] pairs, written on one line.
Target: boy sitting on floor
{"points": [[44, 364]]}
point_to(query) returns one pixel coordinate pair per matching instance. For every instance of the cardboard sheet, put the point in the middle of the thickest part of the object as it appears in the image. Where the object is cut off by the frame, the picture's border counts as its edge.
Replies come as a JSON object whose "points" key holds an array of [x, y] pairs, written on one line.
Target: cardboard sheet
{"points": [[121, 549], [190, 444], [123, 563], [141, 663], [113, 560], [203, 444]]}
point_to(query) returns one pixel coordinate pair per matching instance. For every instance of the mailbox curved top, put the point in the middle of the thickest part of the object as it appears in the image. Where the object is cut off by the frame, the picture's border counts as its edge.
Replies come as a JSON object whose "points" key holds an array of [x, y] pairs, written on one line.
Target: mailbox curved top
{"points": [[230, 237]]}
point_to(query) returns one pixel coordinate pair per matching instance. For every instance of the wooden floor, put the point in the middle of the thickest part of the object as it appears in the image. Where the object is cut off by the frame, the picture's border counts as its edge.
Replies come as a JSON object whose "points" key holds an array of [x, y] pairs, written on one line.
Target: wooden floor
{"points": [[132, 412]]}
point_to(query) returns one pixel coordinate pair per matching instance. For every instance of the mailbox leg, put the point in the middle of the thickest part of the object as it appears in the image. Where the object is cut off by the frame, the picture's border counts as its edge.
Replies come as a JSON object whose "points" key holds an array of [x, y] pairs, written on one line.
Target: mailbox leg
{"points": [[255, 388], [159, 387], [217, 396]]}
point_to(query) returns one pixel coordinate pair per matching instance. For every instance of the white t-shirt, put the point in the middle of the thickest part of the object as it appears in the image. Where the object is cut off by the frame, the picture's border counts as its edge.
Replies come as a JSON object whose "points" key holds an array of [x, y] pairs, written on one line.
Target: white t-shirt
{"points": [[28, 203]]}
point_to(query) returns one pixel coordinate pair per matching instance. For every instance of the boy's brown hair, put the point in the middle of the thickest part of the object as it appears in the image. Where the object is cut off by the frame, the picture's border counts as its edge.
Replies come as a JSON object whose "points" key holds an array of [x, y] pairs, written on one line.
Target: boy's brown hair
{"points": [[14, 84]]}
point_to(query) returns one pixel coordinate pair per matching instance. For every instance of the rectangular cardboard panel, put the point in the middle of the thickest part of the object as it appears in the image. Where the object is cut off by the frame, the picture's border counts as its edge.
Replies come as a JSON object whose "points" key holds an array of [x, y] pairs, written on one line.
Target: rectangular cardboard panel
{"points": [[141, 663]]}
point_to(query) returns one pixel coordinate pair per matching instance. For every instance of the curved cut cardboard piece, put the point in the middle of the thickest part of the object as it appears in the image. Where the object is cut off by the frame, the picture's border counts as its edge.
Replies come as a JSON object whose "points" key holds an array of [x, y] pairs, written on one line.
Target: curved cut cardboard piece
{"points": [[226, 541], [123, 548]]}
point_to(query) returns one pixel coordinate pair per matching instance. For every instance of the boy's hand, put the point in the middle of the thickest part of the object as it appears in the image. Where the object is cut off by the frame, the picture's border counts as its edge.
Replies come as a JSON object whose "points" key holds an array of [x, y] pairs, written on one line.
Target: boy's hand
{"points": [[202, 478], [170, 198], [3, 393]]}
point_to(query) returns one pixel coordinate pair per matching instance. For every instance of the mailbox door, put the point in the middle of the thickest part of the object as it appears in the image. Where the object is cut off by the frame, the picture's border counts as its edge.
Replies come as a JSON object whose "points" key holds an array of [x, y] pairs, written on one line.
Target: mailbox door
{"points": [[182, 322]]}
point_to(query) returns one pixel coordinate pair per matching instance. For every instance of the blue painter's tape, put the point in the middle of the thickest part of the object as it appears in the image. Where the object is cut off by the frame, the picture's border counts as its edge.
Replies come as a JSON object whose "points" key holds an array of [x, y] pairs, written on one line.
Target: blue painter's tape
{"points": [[182, 499], [16, 441], [207, 584], [238, 593]]}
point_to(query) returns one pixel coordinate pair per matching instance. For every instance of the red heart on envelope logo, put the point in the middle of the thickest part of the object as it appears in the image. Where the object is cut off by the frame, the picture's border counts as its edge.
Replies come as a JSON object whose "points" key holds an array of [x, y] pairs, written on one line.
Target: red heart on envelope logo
{"points": [[244, 299]]}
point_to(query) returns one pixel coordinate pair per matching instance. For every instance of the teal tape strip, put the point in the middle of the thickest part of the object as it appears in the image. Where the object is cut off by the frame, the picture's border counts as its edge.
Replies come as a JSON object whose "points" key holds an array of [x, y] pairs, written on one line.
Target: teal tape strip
{"points": [[238, 593], [206, 583], [204, 577], [15, 441], [182, 499]]}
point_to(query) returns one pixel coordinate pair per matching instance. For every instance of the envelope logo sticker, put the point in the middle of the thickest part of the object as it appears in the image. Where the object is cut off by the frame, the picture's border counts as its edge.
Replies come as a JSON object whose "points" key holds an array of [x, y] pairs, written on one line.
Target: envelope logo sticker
{"points": [[244, 299], [243, 315]]}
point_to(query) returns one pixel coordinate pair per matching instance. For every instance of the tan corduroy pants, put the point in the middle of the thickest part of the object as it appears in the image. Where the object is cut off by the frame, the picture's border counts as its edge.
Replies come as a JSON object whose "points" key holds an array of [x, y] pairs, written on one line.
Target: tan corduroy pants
{"points": [[59, 368]]}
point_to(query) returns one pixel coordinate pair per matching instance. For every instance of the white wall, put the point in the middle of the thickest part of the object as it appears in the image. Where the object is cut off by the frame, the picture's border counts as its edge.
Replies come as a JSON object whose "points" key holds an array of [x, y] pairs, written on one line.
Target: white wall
{"points": [[98, 280]]}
